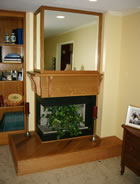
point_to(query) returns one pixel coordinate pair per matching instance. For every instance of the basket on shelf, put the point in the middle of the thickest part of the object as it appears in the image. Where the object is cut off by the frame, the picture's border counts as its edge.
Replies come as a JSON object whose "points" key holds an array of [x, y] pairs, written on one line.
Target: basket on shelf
{"points": [[14, 99]]}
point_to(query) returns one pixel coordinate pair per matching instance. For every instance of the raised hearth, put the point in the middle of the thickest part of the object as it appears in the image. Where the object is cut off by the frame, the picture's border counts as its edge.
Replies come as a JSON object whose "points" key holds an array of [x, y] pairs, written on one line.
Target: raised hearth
{"points": [[30, 155]]}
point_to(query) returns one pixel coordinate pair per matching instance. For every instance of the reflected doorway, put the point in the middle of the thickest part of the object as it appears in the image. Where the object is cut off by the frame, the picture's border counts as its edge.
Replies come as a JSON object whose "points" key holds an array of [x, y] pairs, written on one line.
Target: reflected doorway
{"points": [[65, 56]]}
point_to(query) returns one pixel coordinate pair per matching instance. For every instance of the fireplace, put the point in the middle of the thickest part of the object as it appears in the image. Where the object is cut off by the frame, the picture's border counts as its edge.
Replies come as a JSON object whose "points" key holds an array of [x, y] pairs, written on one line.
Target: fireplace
{"points": [[84, 106]]}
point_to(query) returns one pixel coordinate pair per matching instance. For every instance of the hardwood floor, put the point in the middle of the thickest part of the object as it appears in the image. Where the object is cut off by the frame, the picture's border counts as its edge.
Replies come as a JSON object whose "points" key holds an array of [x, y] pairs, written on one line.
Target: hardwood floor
{"points": [[31, 155]]}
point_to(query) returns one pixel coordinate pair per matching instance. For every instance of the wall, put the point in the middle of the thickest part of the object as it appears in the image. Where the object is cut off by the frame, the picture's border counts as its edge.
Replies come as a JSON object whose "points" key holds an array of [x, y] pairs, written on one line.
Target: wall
{"points": [[120, 64], [129, 89], [85, 44], [29, 66], [111, 52]]}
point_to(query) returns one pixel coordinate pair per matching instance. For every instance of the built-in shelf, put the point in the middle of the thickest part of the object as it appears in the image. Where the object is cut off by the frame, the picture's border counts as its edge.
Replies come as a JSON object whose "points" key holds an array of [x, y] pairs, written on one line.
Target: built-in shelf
{"points": [[11, 81], [9, 21], [11, 45], [12, 107]]}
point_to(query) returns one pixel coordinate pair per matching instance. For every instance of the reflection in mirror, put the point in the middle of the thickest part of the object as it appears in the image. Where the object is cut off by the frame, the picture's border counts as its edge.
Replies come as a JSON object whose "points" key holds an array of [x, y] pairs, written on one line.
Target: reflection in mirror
{"points": [[38, 61], [71, 41]]}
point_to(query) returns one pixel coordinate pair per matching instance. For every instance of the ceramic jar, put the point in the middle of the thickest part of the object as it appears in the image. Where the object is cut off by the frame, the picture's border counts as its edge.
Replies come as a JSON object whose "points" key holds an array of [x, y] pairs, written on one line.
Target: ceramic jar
{"points": [[7, 38], [13, 38]]}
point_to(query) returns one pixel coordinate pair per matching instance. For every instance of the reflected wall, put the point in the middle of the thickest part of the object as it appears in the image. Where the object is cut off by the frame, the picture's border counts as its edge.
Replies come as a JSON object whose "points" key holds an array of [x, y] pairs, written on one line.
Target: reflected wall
{"points": [[80, 30]]}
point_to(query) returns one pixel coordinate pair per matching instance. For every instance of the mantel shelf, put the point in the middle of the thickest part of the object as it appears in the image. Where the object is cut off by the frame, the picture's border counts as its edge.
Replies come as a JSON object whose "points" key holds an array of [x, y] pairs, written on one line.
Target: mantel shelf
{"points": [[61, 83]]}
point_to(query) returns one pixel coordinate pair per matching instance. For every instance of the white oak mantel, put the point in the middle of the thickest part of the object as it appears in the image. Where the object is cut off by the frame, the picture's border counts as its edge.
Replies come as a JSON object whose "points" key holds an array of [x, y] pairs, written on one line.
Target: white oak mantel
{"points": [[61, 84]]}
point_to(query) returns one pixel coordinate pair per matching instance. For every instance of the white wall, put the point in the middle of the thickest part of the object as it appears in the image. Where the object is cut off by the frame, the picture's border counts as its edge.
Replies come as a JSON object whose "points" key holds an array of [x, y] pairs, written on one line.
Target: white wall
{"points": [[108, 98], [121, 65], [29, 66], [129, 89]]}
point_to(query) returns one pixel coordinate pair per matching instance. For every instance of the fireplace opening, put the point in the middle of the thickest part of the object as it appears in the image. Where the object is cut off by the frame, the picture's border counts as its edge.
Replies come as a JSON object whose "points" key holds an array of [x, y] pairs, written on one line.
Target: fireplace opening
{"points": [[64, 117]]}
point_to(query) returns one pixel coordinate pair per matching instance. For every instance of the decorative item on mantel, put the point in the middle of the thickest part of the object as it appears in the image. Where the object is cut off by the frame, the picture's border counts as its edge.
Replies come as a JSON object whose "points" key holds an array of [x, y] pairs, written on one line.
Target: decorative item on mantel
{"points": [[27, 112], [68, 67]]}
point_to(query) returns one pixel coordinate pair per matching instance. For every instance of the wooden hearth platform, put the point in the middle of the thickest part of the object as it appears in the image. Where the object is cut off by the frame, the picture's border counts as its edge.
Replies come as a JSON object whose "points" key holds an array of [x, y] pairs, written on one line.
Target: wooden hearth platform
{"points": [[31, 155]]}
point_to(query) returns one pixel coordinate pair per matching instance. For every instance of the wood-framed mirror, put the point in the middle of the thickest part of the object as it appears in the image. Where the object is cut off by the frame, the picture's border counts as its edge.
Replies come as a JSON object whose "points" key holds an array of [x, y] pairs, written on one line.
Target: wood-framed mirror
{"points": [[70, 43]]}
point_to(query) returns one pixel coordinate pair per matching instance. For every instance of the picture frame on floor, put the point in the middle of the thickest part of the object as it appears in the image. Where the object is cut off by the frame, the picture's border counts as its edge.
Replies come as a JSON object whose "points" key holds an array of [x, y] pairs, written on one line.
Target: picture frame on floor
{"points": [[133, 117]]}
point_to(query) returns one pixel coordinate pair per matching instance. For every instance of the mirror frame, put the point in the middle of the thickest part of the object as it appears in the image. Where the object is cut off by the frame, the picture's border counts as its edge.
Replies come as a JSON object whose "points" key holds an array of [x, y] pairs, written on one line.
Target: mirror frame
{"points": [[41, 11]]}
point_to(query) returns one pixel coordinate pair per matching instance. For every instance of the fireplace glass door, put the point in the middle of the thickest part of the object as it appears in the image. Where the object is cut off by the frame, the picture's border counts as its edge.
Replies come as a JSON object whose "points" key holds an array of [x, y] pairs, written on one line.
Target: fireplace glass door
{"points": [[59, 118]]}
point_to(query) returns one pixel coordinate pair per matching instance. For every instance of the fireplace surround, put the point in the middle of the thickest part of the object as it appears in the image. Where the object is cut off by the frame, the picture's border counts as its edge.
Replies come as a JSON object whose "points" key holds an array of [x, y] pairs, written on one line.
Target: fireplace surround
{"points": [[66, 88], [89, 102]]}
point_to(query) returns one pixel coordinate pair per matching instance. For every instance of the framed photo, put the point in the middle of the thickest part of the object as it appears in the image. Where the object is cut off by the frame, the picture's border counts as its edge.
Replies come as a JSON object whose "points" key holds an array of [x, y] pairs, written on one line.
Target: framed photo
{"points": [[133, 117]]}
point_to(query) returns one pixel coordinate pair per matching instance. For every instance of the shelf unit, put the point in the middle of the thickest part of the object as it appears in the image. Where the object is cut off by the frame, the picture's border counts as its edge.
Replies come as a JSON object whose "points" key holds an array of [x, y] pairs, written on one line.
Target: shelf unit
{"points": [[10, 20]]}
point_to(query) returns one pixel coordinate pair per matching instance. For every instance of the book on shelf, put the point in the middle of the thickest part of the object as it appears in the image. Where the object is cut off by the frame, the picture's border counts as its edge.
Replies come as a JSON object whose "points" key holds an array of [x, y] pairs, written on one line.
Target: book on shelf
{"points": [[12, 58], [19, 35], [14, 61], [13, 55]]}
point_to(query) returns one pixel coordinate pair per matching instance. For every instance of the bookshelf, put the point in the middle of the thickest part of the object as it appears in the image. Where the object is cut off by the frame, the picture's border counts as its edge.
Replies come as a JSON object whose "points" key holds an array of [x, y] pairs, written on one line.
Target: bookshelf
{"points": [[10, 83]]}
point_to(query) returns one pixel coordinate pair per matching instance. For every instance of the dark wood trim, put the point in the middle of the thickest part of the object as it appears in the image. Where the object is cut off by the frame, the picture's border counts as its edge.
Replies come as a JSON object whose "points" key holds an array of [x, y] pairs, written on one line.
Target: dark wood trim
{"points": [[34, 43], [99, 43], [41, 40], [37, 11], [70, 10], [8, 13], [60, 73], [24, 26]]}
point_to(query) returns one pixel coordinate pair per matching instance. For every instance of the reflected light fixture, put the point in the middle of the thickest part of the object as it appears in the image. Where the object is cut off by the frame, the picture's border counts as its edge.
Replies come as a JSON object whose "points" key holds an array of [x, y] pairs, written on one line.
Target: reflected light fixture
{"points": [[60, 17], [93, 0]]}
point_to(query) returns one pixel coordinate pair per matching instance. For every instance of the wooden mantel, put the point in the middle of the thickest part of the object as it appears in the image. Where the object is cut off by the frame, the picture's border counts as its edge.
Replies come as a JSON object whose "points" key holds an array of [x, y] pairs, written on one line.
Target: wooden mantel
{"points": [[61, 84]]}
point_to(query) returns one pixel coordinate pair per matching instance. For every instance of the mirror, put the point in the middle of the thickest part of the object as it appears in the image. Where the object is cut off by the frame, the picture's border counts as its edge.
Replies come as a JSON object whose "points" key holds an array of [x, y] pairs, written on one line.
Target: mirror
{"points": [[71, 41]]}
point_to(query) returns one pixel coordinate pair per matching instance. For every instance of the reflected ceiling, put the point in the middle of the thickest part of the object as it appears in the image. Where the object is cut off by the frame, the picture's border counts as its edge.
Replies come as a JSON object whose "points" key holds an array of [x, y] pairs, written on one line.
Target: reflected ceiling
{"points": [[71, 21]]}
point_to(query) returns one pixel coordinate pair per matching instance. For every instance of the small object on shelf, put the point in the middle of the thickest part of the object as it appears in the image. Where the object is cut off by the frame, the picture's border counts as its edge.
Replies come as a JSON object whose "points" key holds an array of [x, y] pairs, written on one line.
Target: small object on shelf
{"points": [[14, 75], [1, 101], [68, 67], [14, 99], [9, 76], [12, 58], [20, 76], [12, 121], [7, 38], [19, 35], [13, 55], [4, 76], [13, 38], [11, 62]]}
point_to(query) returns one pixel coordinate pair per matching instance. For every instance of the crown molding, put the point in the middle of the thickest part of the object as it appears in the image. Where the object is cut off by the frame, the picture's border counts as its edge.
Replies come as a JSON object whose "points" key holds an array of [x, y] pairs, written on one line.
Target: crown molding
{"points": [[126, 13]]}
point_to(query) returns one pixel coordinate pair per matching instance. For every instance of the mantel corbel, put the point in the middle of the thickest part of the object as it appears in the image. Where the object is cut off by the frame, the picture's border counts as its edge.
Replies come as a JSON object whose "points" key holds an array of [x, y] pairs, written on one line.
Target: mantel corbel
{"points": [[35, 83]]}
